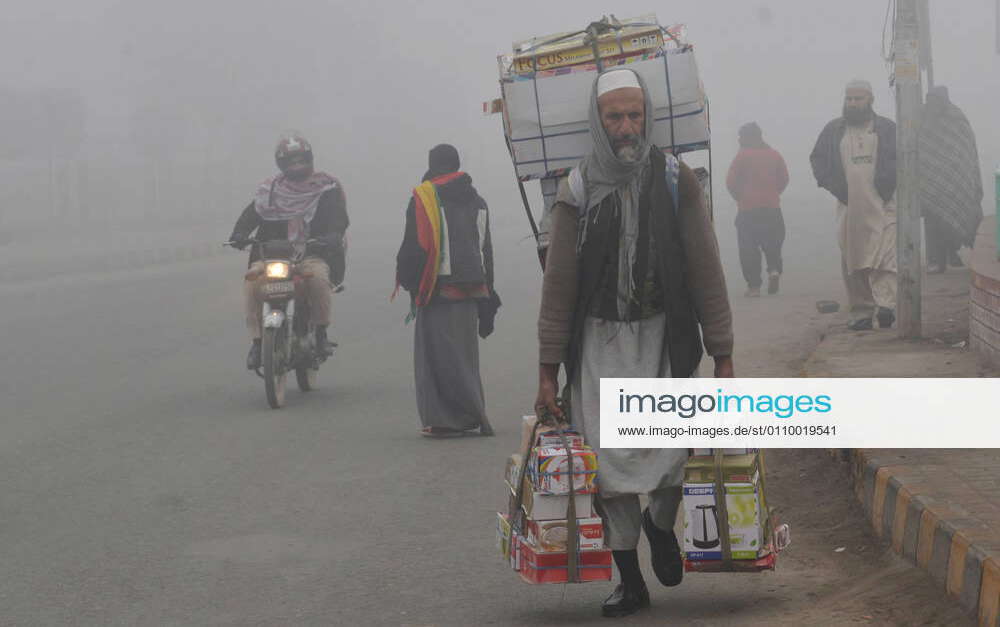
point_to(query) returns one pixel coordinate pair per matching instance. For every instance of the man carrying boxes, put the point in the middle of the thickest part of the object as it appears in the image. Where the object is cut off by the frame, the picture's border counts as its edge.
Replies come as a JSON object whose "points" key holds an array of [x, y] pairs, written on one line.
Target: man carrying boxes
{"points": [[633, 285]]}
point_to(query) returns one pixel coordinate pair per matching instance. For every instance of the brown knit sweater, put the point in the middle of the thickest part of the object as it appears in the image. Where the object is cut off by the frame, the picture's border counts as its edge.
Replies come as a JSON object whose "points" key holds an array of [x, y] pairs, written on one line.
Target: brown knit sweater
{"points": [[701, 250]]}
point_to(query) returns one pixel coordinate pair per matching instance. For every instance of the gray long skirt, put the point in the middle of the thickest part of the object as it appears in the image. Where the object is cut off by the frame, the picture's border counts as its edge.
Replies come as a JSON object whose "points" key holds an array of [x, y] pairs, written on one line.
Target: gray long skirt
{"points": [[446, 366], [623, 350]]}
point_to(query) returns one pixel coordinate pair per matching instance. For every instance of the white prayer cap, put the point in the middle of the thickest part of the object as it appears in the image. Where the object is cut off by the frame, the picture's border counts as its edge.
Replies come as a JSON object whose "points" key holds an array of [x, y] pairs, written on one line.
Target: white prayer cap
{"points": [[616, 79], [860, 84]]}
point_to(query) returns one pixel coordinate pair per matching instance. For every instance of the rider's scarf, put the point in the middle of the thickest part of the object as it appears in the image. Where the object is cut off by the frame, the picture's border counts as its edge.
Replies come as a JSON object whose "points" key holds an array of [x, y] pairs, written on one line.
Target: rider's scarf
{"points": [[279, 198], [430, 233]]}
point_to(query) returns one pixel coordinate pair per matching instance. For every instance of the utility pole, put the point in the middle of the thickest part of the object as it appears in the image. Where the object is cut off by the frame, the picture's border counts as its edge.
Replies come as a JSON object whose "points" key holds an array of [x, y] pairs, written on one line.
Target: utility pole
{"points": [[926, 47], [906, 55]]}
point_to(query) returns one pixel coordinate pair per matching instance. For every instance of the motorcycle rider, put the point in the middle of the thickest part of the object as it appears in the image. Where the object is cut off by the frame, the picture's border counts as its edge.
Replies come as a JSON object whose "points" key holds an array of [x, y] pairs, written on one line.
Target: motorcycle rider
{"points": [[298, 204]]}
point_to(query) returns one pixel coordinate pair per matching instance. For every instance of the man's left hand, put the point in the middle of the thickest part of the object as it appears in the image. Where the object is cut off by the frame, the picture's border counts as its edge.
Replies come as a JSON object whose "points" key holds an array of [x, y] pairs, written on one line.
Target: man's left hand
{"points": [[724, 367]]}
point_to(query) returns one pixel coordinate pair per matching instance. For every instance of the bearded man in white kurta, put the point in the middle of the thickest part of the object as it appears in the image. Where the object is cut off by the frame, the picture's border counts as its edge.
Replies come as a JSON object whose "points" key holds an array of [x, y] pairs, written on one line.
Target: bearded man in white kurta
{"points": [[855, 160]]}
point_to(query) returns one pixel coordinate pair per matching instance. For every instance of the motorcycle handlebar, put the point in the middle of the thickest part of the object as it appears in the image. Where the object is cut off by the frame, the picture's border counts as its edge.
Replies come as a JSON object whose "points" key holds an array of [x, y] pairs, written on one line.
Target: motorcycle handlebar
{"points": [[253, 240]]}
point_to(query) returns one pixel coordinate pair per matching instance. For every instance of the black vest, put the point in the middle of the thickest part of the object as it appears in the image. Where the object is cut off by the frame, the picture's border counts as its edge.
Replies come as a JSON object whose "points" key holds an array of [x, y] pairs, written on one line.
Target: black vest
{"points": [[656, 206]]}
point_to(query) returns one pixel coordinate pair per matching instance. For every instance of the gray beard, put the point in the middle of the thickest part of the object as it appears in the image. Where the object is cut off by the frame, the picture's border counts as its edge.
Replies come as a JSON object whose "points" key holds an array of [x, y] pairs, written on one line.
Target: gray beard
{"points": [[858, 118], [629, 153]]}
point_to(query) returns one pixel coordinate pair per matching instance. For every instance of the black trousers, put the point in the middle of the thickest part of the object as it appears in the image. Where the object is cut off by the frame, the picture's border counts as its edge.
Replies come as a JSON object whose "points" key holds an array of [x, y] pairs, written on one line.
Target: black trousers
{"points": [[760, 230], [941, 241]]}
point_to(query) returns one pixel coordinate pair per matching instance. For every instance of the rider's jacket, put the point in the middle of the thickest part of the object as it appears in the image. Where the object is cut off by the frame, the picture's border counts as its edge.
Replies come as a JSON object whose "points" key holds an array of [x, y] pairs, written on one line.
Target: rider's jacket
{"points": [[330, 222]]}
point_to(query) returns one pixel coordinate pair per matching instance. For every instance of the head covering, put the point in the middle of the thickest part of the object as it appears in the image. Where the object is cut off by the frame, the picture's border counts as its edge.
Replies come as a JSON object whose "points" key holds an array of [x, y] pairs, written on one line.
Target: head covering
{"points": [[602, 171], [950, 185], [751, 136], [442, 159], [859, 83], [616, 79], [603, 174]]}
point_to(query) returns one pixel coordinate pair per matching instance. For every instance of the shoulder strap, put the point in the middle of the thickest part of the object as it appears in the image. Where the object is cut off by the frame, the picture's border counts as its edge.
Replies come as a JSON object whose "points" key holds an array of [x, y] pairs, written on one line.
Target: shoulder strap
{"points": [[577, 189], [673, 174]]}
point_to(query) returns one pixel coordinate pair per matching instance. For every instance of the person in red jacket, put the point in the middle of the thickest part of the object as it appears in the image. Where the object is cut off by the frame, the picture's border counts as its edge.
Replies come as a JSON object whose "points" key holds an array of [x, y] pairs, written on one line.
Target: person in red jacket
{"points": [[756, 179]]}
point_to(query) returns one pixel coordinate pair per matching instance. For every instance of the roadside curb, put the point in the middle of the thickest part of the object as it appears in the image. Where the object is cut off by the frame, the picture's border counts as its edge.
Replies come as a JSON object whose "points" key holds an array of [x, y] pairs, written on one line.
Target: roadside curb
{"points": [[955, 546], [942, 540]]}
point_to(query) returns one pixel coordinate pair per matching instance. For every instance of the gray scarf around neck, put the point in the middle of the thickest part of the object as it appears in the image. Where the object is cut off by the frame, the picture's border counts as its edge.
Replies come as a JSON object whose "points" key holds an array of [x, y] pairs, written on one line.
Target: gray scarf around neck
{"points": [[603, 174]]}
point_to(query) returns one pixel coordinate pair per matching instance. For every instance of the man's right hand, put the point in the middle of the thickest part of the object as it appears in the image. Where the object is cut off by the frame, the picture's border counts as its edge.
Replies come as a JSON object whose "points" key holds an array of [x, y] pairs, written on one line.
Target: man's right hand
{"points": [[548, 390], [239, 241]]}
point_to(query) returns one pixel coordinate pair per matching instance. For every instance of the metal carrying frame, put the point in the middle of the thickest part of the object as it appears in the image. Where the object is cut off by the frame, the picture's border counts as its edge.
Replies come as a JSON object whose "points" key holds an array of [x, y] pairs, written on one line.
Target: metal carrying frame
{"points": [[593, 33]]}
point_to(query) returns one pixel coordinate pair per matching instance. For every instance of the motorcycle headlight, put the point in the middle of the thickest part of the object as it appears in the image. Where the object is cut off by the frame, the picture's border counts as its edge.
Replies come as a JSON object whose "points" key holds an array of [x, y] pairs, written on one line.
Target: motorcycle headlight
{"points": [[277, 270]]}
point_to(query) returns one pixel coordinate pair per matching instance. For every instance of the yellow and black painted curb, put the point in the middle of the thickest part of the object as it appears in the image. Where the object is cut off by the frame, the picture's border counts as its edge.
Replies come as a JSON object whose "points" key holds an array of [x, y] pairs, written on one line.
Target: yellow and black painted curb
{"points": [[959, 553]]}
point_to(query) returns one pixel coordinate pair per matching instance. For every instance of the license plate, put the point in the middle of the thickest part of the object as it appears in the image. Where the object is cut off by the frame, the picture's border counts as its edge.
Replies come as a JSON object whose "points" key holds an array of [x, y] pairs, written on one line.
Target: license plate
{"points": [[278, 287]]}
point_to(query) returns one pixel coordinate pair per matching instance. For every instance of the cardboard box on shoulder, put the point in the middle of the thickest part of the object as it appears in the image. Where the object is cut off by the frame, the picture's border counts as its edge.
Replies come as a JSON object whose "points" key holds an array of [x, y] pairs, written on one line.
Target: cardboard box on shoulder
{"points": [[535, 54], [546, 112]]}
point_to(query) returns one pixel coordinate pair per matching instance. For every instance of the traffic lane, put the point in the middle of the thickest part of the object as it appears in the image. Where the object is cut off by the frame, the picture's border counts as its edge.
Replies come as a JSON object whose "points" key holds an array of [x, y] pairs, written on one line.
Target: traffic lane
{"points": [[192, 503], [133, 492], [154, 414]]}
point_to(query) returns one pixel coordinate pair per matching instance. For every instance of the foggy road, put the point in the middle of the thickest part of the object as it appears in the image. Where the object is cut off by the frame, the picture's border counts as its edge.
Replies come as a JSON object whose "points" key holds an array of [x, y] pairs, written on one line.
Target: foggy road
{"points": [[145, 482], [143, 478]]}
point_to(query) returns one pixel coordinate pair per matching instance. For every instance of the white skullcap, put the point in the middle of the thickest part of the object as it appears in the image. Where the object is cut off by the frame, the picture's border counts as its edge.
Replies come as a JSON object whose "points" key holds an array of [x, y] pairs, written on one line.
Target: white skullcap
{"points": [[860, 84], [616, 79]]}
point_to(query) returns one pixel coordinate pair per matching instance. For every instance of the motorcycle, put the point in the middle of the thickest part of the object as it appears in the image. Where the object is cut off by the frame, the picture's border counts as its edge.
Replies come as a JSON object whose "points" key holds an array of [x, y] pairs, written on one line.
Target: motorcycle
{"points": [[288, 341]]}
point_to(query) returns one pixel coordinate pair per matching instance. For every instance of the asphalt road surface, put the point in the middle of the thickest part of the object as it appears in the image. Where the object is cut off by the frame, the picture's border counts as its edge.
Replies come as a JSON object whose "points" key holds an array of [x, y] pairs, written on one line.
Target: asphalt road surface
{"points": [[144, 481]]}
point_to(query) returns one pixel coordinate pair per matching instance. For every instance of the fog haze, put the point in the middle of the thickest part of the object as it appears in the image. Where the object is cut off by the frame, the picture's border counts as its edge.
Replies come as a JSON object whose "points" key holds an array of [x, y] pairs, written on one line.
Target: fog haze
{"points": [[166, 114]]}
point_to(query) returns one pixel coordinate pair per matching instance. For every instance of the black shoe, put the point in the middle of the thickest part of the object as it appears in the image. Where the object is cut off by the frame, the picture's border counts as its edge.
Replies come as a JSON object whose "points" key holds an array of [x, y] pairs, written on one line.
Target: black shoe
{"points": [[772, 282], [885, 317], [664, 551], [624, 601], [861, 324], [324, 347], [253, 358]]}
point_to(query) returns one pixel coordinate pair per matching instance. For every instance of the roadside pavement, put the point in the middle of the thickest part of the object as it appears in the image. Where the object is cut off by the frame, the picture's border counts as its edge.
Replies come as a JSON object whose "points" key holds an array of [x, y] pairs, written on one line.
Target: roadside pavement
{"points": [[939, 508]]}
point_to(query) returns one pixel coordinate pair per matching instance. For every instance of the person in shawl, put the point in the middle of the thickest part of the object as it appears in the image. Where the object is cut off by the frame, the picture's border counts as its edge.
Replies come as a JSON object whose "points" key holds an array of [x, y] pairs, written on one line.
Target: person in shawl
{"points": [[949, 182], [445, 262], [855, 160], [298, 204], [633, 286]]}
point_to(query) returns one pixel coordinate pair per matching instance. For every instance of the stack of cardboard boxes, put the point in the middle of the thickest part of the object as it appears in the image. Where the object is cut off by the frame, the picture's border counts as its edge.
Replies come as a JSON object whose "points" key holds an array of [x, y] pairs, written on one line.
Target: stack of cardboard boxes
{"points": [[748, 525], [546, 84], [533, 534]]}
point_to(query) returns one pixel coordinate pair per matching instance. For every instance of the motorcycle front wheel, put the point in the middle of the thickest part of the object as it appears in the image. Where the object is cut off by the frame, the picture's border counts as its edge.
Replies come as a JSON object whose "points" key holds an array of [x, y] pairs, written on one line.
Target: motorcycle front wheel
{"points": [[273, 351], [306, 377]]}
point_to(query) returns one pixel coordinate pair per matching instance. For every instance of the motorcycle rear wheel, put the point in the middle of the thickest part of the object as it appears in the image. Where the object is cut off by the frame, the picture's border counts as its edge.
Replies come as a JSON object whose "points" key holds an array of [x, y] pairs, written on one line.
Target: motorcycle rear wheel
{"points": [[273, 351]]}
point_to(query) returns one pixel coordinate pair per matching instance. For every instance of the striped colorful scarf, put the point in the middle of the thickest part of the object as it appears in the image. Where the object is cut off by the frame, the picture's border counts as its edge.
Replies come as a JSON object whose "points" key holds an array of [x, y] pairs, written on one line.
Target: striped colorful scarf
{"points": [[430, 234]]}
